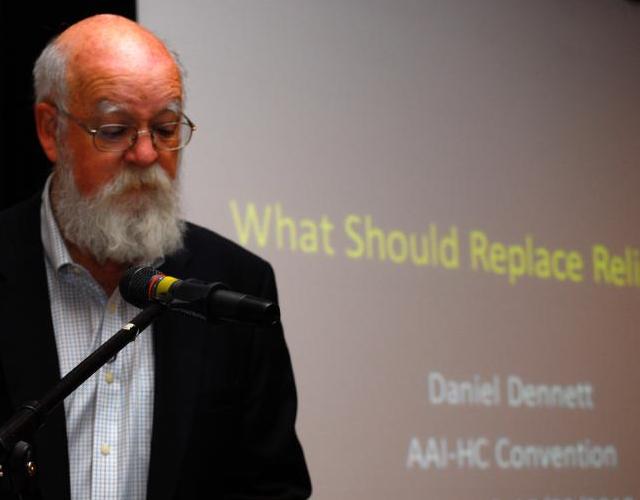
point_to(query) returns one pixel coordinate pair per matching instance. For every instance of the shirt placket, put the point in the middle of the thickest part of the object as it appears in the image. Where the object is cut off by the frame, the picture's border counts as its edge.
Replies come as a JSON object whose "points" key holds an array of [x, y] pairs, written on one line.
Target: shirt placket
{"points": [[109, 394]]}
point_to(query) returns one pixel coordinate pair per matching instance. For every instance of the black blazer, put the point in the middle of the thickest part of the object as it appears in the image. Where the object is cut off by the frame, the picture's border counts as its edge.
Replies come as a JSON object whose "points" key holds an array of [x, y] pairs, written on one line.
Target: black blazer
{"points": [[225, 400]]}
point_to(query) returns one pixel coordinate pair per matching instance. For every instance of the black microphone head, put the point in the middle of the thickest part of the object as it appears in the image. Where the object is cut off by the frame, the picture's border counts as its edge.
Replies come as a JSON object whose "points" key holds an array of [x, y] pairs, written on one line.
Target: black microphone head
{"points": [[134, 285]]}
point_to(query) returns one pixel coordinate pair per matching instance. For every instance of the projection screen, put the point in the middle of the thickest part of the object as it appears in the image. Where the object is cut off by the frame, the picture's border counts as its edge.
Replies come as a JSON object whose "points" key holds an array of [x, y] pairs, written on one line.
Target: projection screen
{"points": [[448, 192]]}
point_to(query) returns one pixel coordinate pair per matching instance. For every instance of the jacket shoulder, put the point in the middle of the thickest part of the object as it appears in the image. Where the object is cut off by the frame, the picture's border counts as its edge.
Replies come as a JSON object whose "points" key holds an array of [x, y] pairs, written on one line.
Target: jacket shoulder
{"points": [[210, 256], [20, 234], [20, 218]]}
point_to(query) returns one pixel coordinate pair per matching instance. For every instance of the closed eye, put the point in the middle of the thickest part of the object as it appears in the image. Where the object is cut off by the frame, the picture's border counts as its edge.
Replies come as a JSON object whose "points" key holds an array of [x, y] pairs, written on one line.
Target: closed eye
{"points": [[166, 130], [114, 132]]}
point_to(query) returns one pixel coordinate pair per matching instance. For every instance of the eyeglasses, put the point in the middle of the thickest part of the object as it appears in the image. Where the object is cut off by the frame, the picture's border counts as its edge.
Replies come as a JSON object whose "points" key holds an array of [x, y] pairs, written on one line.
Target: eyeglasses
{"points": [[167, 136]]}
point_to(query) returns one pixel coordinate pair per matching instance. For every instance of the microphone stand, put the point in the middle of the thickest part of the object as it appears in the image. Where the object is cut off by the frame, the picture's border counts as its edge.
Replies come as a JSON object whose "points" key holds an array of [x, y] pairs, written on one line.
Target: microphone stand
{"points": [[17, 463]]}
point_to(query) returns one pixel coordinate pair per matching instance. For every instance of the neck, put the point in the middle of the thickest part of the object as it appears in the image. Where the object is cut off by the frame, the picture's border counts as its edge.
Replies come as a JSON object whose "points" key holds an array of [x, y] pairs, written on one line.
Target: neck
{"points": [[107, 274]]}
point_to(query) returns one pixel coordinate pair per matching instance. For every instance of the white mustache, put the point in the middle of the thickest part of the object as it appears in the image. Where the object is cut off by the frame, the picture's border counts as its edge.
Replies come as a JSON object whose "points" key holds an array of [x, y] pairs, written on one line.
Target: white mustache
{"points": [[154, 177]]}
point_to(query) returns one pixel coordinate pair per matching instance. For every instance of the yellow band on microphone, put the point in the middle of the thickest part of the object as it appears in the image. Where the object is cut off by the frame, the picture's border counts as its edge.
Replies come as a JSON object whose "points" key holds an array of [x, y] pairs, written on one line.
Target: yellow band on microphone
{"points": [[164, 286]]}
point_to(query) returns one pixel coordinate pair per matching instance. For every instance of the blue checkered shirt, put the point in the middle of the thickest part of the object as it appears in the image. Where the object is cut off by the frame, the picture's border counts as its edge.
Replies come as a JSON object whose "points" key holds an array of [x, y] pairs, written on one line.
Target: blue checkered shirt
{"points": [[109, 417]]}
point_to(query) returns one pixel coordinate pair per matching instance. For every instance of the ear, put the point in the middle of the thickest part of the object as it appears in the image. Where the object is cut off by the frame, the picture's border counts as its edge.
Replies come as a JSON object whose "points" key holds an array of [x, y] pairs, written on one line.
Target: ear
{"points": [[46, 116]]}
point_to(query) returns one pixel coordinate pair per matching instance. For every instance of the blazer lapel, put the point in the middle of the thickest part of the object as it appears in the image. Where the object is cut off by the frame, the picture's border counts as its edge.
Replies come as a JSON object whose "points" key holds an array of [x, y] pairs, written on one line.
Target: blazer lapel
{"points": [[27, 344], [178, 353]]}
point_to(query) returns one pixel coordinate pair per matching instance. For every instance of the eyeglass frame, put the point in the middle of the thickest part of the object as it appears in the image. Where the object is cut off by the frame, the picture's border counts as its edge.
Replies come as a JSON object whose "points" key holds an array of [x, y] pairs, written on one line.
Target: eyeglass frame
{"points": [[93, 132]]}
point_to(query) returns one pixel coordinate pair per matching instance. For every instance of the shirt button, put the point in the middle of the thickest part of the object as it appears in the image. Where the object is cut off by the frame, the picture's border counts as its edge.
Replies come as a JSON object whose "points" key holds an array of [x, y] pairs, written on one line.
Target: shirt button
{"points": [[105, 449], [112, 307], [108, 377]]}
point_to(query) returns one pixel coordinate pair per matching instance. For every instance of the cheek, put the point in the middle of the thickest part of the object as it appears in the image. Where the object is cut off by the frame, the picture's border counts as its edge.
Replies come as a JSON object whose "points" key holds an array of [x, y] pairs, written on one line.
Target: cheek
{"points": [[169, 163], [92, 171]]}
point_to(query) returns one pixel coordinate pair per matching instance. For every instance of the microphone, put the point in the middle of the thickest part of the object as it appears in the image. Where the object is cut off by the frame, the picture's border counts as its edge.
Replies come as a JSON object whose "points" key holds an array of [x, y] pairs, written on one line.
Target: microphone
{"points": [[212, 302]]}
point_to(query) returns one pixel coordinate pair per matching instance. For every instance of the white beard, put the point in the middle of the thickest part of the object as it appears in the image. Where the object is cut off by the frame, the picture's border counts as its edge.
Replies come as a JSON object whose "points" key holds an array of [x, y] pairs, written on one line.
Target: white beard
{"points": [[117, 224]]}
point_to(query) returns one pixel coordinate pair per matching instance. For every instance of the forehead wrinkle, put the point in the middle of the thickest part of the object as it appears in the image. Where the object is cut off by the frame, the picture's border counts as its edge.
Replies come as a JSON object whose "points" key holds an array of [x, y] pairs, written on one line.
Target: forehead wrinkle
{"points": [[107, 95], [97, 79]]}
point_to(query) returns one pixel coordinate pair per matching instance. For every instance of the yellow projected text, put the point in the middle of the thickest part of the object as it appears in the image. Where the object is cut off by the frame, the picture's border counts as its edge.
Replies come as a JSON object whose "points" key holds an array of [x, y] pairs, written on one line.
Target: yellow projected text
{"points": [[516, 261], [359, 237], [617, 270], [306, 235], [422, 249]]}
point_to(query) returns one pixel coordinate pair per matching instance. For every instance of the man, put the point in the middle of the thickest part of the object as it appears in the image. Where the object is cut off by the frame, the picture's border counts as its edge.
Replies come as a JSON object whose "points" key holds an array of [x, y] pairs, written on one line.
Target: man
{"points": [[189, 410]]}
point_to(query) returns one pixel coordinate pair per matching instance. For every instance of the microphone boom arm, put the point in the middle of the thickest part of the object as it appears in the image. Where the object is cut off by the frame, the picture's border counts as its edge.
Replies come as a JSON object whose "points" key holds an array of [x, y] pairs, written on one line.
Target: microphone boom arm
{"points": [[17, 465]]}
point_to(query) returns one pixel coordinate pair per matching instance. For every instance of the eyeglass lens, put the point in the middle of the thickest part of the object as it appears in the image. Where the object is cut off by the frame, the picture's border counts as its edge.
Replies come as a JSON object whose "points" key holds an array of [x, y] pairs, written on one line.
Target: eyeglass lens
{"points": [[166, 136]]}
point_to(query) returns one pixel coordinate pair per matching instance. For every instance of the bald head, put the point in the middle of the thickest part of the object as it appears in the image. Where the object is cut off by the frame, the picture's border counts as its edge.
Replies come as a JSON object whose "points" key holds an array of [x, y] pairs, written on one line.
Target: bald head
{"points": [[108, 30], [97, 46]]}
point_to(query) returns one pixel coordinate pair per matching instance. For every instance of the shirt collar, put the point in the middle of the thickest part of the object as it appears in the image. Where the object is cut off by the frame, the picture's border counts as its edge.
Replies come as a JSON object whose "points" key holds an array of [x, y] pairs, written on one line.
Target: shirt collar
{"points": [[55, 249]]}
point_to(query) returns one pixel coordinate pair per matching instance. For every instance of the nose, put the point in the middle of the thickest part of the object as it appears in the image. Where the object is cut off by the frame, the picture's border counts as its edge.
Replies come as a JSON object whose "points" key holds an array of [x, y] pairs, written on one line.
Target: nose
{"points": [[142, 153]]}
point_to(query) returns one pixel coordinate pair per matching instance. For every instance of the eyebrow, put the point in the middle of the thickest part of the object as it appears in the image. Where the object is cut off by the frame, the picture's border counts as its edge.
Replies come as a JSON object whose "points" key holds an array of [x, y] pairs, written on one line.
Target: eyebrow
{"points": [[107, 107], [175, 106]]}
